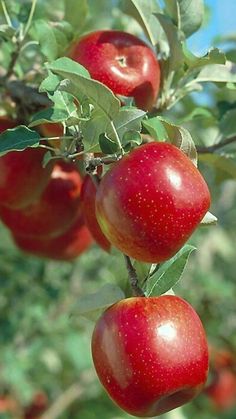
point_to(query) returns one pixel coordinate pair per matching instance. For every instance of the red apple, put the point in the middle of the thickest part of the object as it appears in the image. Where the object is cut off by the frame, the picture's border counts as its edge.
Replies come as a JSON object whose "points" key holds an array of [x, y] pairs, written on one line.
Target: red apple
{"points": [[37, 407], [150, 354], [23, 177], [151, 201], [222, 390], [56, 209], [122, 62], [67, 246], [88, 193], [52, 130]]}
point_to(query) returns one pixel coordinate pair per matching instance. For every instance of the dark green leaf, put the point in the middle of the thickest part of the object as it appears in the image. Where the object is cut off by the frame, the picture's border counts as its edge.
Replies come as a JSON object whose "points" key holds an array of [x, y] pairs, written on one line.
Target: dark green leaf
{"points": [[107, 145], [18, 138], [169, 273], [131, 139]]}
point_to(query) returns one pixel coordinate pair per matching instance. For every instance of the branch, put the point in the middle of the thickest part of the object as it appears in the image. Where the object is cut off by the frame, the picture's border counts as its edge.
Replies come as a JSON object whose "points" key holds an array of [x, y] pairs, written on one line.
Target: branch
{"points": [[137, 291], [215, 147], [61, 404]]}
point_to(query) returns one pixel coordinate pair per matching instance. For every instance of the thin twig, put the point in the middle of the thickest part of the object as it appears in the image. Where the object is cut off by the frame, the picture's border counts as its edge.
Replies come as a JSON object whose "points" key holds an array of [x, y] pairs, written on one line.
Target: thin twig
{"points": [[31, 14], [6, 14], [215, 147], [137, 291], [74, 392]]}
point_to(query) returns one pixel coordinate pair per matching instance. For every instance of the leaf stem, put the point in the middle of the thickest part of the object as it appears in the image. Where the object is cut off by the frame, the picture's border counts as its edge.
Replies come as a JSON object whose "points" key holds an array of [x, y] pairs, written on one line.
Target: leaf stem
{"points": [[31, 14], [137, 291], [6, 14], [117, 138]]}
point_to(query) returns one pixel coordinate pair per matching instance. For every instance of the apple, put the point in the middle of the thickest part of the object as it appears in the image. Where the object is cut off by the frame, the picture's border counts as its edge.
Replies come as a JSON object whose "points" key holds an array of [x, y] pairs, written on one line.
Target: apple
{"points": [[23, 177], [54, 211], [52, 130], [122, 62], [68, 246], [38, 405], [150, 354], [222, 389], [150, 202], [88, 194]]}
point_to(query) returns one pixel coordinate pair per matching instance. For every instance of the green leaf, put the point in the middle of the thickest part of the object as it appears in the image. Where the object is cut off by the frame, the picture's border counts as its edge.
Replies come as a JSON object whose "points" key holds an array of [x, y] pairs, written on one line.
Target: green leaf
{"points": [[43, 32], [18, 138], [169, 273], [50, 83], [49, 115], [91, 131], [52, 37], [163, 130], [76, 13], [131, 139], [218, 73], [197, 113], [77, 84], [213, 56], [176, 56], [128, 118], [92, 305], [143, 12], [227, 124], [224, 167], [186, 14], [107, 145]]}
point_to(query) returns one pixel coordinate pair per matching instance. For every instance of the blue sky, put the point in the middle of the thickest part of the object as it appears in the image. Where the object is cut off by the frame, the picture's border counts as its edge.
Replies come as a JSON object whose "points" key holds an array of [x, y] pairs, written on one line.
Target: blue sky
{"points": [[222, 21]]}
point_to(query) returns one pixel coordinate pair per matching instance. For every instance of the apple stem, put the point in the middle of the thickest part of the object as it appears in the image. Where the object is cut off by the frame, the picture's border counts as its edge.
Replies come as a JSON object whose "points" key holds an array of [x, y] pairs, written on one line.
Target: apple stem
{"points": [[137, 291]]}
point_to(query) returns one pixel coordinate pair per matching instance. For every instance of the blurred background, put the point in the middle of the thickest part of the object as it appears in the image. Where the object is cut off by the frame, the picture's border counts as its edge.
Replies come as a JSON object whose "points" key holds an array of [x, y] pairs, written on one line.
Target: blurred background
{"points": [[45, 356]]}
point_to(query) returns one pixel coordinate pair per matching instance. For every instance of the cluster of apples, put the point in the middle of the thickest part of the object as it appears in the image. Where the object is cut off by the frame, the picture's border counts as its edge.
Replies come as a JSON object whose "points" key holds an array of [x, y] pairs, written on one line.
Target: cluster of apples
{"points": [[151, 353], [42, 206]]}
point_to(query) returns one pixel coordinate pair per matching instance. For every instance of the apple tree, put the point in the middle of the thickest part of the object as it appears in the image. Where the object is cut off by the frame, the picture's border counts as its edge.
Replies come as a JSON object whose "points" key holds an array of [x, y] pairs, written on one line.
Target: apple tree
{"points": [[117, 193]]}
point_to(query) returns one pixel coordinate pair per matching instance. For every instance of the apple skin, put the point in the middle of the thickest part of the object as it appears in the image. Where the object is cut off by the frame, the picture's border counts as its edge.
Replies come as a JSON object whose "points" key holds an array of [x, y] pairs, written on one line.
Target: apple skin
{"points": [[150, 354], [52, 130], [54, 211], [122, 62], [66, 247], [88, 194], [23, 177], [150, 202]]}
